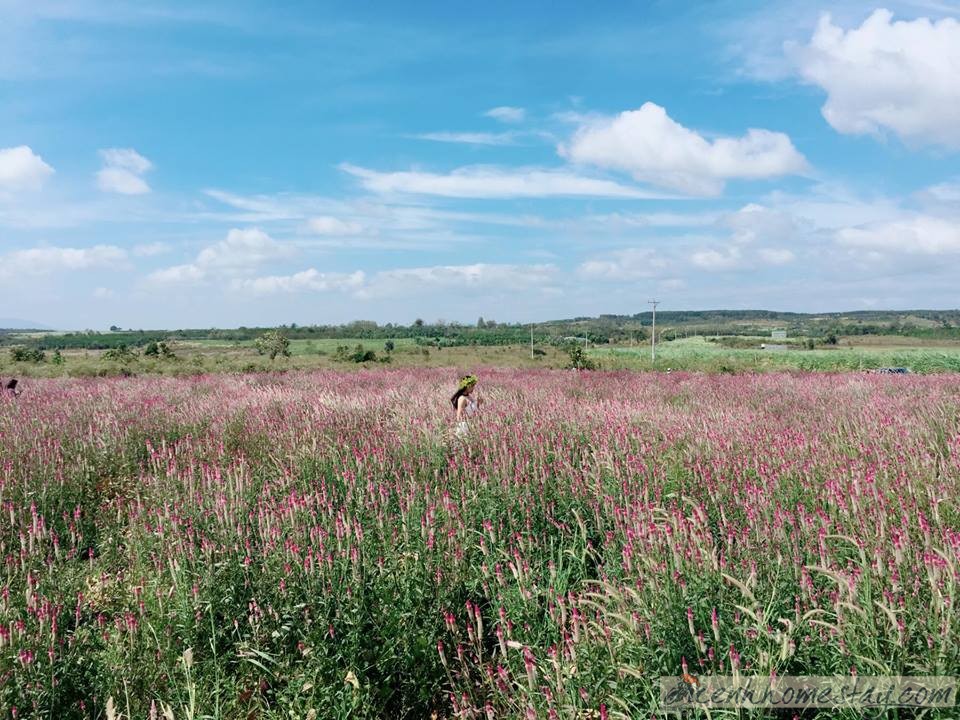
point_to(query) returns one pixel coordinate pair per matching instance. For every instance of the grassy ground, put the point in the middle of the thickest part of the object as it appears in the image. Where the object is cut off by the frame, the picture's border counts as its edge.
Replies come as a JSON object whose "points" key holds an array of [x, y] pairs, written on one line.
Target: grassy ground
{"points": [[697, 353], [700, 354]]}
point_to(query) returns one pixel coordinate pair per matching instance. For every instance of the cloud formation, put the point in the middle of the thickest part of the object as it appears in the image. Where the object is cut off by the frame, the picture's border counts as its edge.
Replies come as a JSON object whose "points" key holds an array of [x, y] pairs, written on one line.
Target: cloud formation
{"points": [[918, 235], [329, 225], [653, 148], [46, 260], [240, 252], [886, 75], [122, 172], [406, 281], [507, 114], [22, 169], [493, 182], [470, 138]]}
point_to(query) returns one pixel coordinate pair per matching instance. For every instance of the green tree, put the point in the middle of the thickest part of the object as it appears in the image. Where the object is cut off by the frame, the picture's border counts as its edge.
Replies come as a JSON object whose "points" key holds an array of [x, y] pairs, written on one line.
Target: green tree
{"points": [[273, 343], [388, 346], [579, 359]]}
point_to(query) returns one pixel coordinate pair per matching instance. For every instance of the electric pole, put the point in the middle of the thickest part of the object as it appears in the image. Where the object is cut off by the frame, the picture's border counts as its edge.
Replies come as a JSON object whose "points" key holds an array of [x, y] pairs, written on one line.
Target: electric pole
{"points": [[531, 341], [653, 333]]}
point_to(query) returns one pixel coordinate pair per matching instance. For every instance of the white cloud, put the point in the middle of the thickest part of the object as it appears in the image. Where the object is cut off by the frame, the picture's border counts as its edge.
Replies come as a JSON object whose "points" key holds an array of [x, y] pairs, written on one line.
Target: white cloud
{"points": [[919, 235], [491, 182], [151, 249], [123, 171], [329, 225], [22, 169], [899, 76], [507, 114], [470, 138], [624, 265], [241, 251], [714, 260], [654, 148], [177, 275], [775, 256], [242, 248], [102, 293], [755, 222], [309, 280], [752, 230], [45, 260], [406, 281]]}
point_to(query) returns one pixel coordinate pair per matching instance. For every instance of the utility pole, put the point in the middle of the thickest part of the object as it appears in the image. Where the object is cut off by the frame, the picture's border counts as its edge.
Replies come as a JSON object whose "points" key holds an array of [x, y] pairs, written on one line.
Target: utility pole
{"points": [[531, 341], [653, 333]]}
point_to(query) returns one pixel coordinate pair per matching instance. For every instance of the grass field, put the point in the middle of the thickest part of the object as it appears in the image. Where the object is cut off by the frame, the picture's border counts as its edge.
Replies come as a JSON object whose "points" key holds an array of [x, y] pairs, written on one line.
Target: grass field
{"points": [[315, 544], [700, 354]]}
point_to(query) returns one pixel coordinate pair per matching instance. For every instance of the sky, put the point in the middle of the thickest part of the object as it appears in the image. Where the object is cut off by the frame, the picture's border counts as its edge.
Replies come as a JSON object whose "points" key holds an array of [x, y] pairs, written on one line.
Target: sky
{"points": [[218, 164]]}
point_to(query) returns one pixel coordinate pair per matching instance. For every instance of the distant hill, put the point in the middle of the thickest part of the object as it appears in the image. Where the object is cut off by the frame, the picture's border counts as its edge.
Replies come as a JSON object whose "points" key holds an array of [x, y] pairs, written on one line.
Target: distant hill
{"points": [[19, 324]]}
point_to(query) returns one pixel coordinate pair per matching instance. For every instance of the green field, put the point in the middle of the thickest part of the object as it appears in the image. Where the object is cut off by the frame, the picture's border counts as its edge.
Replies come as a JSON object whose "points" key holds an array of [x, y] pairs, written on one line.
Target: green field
{"points": [[306, 347], [695, 353], [698, 353]]}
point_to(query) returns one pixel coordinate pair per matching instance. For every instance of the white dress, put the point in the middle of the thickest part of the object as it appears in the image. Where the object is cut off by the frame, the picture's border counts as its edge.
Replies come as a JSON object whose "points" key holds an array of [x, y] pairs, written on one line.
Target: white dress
{"points": [[470, 409]]}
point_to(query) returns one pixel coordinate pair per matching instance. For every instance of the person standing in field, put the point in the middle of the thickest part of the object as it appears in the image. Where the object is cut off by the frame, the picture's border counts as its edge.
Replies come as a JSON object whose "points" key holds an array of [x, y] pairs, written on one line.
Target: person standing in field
{"points": [[465, 402]]}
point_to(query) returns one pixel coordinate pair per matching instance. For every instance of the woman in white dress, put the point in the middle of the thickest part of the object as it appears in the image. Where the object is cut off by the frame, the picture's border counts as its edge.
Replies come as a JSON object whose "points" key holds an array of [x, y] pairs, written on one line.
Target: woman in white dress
{"points": [[465, 403]]}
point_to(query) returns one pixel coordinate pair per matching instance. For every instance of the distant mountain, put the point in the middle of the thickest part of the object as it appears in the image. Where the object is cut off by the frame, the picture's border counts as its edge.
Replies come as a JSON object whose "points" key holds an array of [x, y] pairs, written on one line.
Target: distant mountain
{"points": [[19, 324]]}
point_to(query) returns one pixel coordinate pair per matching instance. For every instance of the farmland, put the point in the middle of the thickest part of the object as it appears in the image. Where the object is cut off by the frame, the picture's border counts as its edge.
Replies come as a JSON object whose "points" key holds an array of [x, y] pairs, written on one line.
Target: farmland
{"points": [[313, 543]]}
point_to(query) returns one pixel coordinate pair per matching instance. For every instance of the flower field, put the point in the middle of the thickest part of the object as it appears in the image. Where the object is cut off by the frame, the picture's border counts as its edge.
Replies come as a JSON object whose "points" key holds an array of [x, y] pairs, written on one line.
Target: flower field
{"points": [[315, 545]]}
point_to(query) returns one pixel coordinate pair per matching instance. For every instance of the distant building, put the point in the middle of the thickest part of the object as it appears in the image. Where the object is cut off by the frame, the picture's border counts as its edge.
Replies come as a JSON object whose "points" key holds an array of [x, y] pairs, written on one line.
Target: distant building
{"points": [[778, 335]]}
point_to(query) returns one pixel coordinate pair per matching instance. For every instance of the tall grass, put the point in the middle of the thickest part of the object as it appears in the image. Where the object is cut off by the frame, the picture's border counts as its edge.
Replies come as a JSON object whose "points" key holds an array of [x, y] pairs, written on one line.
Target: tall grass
{"points": [[316, 545]]}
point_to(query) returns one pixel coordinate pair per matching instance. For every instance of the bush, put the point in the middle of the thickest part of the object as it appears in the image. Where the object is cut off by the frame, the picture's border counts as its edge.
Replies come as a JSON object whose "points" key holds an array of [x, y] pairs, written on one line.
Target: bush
{"points": [[33, 355], [273, 343], [579, 359], [159, 350], [120, 354]]}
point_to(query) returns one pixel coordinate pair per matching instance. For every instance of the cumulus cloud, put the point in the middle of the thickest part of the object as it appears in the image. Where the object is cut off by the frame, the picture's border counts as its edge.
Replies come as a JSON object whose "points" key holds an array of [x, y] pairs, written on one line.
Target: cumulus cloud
{"points": [[151, 249], [888, 76], [241, 251], [406, 281], [624, 265], [242, 248], [507, 114], [310, 280], [178, 274], [919, 235], [654, 148], [45, 260], [122, 172], [22, 169], [756, 238], [329, 225], [491, 182], [463, 278]]}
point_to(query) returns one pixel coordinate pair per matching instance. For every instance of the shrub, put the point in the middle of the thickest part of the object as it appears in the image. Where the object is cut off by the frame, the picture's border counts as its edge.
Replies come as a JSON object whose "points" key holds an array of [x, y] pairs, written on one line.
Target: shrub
{"points": [[120, 354], [273, 343], [579, 359], [20, 354]]}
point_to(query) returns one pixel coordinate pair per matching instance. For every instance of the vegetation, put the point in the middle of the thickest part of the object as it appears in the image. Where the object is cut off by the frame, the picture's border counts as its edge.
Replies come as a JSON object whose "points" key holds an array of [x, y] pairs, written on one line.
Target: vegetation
{"points": [[605, 329], [273, 343], [314, 545]]}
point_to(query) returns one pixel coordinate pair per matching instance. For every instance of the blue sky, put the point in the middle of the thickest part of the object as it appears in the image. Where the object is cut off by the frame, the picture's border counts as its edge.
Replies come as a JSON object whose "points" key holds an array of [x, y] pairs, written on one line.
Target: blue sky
{"points": [[222, 164]]}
